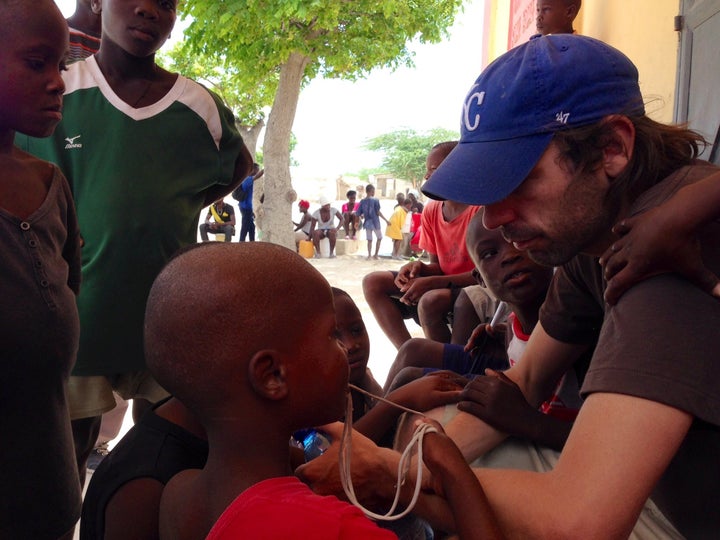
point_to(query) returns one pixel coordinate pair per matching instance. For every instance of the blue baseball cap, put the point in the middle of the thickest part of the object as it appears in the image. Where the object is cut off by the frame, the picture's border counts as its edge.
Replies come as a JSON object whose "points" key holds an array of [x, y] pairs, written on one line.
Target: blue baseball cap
{"points": [[519, 101]]}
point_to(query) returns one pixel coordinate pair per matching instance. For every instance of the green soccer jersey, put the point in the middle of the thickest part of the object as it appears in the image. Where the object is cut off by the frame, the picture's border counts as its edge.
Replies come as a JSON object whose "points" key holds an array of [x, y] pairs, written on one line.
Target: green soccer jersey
{"points": [[139, 178]]}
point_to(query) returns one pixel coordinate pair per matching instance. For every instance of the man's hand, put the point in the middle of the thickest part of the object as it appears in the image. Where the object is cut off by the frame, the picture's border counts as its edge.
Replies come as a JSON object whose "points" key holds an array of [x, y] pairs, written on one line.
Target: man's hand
{"points": [[374, 470]]}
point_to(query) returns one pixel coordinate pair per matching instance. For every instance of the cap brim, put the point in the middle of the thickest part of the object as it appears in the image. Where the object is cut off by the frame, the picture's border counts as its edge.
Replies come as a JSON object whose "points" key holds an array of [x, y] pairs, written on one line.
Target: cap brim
{"points": [[482, 173]]}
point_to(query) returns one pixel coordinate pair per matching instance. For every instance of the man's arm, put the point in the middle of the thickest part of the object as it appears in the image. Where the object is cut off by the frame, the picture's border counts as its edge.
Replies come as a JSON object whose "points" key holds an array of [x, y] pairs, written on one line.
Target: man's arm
{"points": [[340, 218], [545, 360], [619, 447]]}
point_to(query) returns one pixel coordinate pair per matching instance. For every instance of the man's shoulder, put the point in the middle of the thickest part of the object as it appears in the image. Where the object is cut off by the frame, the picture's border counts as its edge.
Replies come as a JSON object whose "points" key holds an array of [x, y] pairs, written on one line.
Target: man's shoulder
{"points": [[668, 186]]}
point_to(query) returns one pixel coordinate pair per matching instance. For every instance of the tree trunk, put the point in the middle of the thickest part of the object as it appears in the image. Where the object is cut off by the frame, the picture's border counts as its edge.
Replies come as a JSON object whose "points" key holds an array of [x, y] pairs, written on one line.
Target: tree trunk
{"points": [[250, 135], [274, 215]]}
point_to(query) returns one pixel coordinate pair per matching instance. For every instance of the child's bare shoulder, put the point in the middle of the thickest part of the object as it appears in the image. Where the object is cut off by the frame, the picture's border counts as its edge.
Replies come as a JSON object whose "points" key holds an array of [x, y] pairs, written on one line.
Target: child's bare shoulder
{"points": [[24, 181], [179, 505]]}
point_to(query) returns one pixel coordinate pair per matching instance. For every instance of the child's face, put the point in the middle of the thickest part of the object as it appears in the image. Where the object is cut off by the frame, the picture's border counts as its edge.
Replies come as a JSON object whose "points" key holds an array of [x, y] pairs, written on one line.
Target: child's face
{"points": [[433, 161], [553, 17], [507, 272], [353, 335], [370, 192], [322, 367], [139, 27], [351, 199], [32, 57]]}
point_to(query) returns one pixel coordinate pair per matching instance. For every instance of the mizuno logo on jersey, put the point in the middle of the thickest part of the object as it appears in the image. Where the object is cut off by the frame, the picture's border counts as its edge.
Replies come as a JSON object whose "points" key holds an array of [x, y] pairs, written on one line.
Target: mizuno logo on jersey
{"points": [[71, 142]]}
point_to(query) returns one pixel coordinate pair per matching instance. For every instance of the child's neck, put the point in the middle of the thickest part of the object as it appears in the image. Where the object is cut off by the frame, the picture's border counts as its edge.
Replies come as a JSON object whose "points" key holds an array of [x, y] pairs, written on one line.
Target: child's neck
{"points": [[528, 313], [139, 82], [451, 209], [117, 64], [86, 21], [241, 456]]}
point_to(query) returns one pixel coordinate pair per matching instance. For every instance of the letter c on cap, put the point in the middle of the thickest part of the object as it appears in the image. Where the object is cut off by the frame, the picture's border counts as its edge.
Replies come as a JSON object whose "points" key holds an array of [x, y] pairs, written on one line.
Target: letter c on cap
{"points": [[478, 97]]}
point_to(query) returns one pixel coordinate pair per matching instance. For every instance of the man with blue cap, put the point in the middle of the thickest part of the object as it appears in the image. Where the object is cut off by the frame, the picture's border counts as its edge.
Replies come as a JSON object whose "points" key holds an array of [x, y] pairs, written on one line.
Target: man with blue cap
{"points": [[555, 143]]}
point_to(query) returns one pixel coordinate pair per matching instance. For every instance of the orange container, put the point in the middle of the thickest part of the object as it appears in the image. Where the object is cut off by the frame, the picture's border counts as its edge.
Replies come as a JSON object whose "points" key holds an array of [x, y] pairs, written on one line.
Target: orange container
{"points": [[306, 249]]}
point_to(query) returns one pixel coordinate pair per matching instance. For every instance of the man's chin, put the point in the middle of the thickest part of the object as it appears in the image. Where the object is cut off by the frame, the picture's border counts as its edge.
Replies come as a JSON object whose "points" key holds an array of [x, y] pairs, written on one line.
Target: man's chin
{"points": [[550, 258]]}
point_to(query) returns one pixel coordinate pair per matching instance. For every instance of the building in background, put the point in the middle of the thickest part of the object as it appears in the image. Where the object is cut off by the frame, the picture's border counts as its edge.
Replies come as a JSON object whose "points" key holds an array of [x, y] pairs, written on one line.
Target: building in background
{"points": [[673, 43]]}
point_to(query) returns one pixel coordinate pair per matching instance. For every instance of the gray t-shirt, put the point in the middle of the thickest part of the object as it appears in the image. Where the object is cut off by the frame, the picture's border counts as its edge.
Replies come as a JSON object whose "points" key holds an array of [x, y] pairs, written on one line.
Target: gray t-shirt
{"points": [[39, 332]]}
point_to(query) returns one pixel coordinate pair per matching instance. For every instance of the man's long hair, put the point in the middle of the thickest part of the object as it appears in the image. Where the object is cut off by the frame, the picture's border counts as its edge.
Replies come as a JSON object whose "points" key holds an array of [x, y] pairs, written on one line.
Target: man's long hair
{"points": [[659, 150]]}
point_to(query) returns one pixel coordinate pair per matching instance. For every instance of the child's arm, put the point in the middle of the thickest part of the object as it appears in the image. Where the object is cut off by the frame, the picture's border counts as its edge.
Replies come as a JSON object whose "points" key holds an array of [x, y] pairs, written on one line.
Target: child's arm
{"points": [[421, 395], [498, 401], [431, 277], [454, 479], [663, 239], [243, 166]]}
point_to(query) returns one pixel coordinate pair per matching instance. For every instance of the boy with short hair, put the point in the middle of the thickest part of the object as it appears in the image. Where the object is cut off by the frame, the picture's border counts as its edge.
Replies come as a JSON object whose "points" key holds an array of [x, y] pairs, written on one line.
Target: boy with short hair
{"points": [[369, 210], [127, 125], [85, 28], [511, 276], [556, 16], [267, 384]]}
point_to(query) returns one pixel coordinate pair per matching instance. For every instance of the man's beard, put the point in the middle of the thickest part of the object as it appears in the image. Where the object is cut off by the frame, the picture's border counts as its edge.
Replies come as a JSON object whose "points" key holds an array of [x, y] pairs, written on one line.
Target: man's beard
{"points": [[583, 218]]}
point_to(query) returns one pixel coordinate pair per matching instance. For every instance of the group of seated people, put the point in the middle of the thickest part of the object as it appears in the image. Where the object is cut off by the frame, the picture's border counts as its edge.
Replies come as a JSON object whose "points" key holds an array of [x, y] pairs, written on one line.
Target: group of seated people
{"points": [[355, 215], [568, 418]]}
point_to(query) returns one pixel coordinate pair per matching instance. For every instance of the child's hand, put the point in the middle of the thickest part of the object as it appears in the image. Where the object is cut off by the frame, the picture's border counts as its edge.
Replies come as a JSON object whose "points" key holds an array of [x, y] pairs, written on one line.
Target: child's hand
{"points": [[428, 392], [482, 332], [413, 291], [407, 273], [653, 243], [441, 456], [497, 400]]}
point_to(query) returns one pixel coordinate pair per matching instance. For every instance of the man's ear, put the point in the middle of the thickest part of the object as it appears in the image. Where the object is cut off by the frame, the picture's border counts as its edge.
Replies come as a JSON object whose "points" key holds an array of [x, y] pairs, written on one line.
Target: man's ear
{"points": [[96, 6], [619, 149], [267, 374]]}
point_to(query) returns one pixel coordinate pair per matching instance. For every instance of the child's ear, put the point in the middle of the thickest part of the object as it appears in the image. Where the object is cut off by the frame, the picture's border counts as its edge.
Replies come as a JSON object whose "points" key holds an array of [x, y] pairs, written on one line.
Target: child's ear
{"points": [[619, 150], [267, 374]]}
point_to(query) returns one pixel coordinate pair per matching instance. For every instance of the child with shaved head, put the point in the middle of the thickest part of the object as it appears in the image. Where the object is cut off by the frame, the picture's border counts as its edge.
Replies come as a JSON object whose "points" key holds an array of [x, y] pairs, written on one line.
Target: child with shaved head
{"points": [[275, 372]]}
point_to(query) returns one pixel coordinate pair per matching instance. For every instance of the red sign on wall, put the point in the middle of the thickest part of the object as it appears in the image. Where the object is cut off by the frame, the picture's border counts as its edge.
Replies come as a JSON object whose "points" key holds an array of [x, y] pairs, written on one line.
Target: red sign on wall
{"points": [[522, 21]]}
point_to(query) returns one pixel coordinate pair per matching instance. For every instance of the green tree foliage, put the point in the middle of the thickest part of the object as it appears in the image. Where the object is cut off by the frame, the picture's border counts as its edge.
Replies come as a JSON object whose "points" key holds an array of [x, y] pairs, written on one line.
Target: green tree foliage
{"points": [[405, 151], [280, 45]]}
